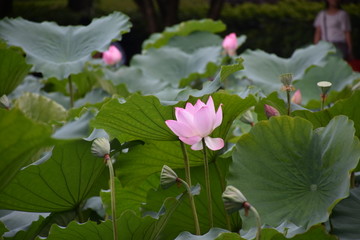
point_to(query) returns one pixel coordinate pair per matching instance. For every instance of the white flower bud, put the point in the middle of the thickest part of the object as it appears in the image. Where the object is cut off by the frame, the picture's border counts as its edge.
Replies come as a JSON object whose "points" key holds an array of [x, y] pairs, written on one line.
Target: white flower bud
{"points": [[233, 199], [168, 177], [100, 147]]}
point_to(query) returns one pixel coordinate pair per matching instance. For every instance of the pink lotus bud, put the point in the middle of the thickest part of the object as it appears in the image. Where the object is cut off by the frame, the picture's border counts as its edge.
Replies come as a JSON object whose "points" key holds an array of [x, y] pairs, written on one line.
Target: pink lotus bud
{"points": [[197, 122], [112, 56], [271, 111], [230, 44], [296, 98]]}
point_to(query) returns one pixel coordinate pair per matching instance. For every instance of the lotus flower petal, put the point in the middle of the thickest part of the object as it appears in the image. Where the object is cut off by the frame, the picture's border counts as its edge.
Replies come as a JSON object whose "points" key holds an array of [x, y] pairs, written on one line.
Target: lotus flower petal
{"points": [[179, 128], [191, 140], [214, 143]]}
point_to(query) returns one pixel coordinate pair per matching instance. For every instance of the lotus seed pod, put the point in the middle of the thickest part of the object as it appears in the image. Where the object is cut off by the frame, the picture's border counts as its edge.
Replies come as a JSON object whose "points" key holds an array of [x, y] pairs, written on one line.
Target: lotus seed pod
{"points": [[233, 199], [168, 177], [286, 79], [100, 147], [324, 86]]}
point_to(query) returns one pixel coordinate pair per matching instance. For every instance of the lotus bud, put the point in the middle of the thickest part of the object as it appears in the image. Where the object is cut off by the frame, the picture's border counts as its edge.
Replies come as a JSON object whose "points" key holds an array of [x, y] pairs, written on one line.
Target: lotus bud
{"points": [[4, 102], [271, 111], [324, 86], [247, 118], [101, 147], [297, 98], [168, 177], [233, 199], [230, 44]]}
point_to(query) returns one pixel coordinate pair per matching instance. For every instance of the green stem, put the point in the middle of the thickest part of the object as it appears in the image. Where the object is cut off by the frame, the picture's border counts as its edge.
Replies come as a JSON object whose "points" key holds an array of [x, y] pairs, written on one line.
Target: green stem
{"points": [[71, 92], [207, 185], [258, 222], [112, 191], [323, 96], [289, 101], [186, 163], [222, 183], [193, 207]]}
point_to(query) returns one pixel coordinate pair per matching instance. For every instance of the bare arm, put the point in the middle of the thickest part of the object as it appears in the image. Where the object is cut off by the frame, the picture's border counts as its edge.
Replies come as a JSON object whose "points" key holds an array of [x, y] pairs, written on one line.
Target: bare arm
{"points": [[317, 35], [349, 43]]}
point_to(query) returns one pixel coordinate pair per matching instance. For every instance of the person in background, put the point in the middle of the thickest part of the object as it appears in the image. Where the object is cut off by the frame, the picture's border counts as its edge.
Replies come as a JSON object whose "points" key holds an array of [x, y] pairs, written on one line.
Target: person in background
{"points": [[333, 25]]}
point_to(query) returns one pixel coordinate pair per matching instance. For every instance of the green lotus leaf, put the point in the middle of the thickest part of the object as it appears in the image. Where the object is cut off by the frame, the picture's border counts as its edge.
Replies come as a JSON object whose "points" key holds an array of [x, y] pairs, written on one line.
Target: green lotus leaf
{"points": [[344, 218], [58, 51], [13, 70], [344, 107], [337, 71], [20, 139], [211, 235], [129, 226], [176, 67], [61, 183], [291, 172], [158, 40], [141, 117], [40, 108], [264, 69]]}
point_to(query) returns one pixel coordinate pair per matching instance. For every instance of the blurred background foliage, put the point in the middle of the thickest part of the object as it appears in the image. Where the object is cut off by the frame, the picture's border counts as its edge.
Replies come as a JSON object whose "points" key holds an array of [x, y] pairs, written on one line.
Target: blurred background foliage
{"points": [[275, 26]]}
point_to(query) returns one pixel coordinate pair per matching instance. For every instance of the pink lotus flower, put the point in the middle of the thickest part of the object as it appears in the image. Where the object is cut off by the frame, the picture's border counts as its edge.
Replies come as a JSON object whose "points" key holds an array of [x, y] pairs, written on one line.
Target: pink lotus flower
{"points": [[196, 122], [112, 55], [296, 98], [230, 44]]}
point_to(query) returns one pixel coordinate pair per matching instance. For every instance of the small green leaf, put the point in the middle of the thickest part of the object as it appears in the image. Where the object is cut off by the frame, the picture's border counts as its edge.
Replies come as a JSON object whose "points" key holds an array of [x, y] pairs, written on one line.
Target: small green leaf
{"points": [[13, 70], [227, 70], [40, 108]]}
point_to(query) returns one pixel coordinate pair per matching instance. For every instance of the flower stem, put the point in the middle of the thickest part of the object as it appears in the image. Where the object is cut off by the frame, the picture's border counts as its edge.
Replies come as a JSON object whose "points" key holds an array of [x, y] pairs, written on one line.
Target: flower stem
{"points": [[289, 101], [222, 183], [323, 97], [193, 207], [258, 222], [186, 163], [207, 185], [112, 191], [71, 92]]}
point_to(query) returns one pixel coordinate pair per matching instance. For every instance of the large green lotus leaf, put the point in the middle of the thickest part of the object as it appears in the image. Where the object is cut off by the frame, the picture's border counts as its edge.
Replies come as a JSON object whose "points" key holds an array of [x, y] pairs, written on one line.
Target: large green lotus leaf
{"points": [[20, 139], [211, 235], [264, 69], [182, 218], [63, 182], [144, 160], [13, 70], [345, 107], [194, 41], [40, 108], [158, 40], [141, 117], [130, 226], [174, 66], [130, 198], [291, 172], [336, 71], [58, 51], [345, 217]]}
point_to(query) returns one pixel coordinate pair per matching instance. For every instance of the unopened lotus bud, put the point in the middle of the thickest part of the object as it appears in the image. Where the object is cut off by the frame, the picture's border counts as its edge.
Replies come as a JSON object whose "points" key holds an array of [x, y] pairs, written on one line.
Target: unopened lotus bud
{"points": [[247, 118], [297, 98], [271, 111], [4, 102], [233, 199], [324, 86], [286, 79], [168, 177], [101, 147]]}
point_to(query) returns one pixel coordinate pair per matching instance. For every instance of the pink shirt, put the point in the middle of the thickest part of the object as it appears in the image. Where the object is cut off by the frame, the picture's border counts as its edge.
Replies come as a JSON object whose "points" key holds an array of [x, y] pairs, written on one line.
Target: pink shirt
{"points": [[336, 25]]}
